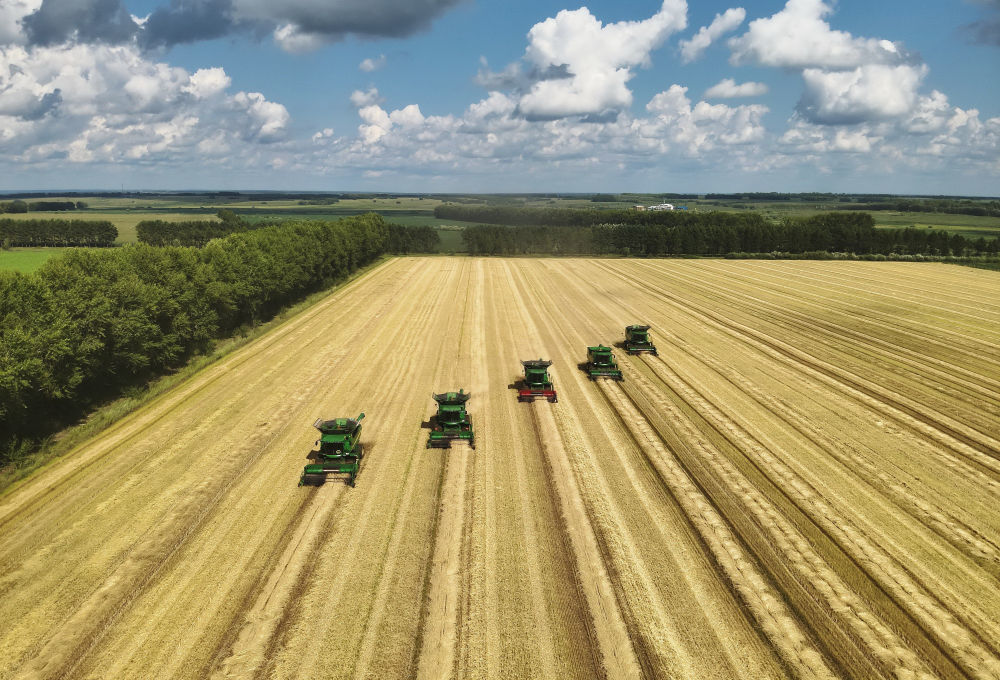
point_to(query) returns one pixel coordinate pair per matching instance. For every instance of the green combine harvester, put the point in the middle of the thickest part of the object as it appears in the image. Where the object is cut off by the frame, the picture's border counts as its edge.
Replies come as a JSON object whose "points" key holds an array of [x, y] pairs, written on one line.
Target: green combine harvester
{"points": [[601, 363], [340, 450], [637, 340], [451, 421], [536, 381]]}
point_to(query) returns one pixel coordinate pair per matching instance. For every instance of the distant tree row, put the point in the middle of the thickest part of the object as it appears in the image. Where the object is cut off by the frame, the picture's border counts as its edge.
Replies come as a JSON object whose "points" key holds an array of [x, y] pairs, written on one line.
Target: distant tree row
{"points": [[190, 232], [91, 323], [827, 232], [20, 206], [490, 239], [57, 232], [947, 206], [583, 217], [403, 239]]}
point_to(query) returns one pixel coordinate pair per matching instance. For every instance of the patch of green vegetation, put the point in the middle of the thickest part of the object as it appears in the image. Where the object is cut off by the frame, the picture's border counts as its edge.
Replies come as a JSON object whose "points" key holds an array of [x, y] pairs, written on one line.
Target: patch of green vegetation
{"points": [[970, 226], [451, 241], [27, 260]]}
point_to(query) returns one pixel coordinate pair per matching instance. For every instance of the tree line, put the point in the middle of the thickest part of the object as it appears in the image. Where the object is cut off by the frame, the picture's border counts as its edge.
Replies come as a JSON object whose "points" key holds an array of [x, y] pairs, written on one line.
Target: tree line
{"points": [[192, 232], [947, 206], [57, 233], [404, 239], [89, 324], [399, 239], [731, 233], [20, 206]]}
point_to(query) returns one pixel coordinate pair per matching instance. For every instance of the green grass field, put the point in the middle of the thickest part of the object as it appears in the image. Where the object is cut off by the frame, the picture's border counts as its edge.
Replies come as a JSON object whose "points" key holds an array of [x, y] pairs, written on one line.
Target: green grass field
{"points": [[26, 260]]}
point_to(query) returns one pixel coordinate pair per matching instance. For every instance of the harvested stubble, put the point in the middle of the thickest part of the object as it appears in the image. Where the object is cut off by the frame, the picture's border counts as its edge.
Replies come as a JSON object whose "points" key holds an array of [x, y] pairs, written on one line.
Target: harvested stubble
{"points": [[804, 483]]}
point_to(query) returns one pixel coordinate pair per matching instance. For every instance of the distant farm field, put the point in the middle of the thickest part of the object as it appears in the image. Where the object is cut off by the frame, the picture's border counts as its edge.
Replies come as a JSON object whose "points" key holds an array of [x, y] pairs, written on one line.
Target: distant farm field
{"points": [[803, 483], [27, 259]]}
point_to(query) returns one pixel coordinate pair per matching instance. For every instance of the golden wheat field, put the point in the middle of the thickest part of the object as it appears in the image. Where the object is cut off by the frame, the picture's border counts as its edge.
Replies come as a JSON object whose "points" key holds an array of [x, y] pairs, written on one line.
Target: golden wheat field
{"points": [[804, 483]]}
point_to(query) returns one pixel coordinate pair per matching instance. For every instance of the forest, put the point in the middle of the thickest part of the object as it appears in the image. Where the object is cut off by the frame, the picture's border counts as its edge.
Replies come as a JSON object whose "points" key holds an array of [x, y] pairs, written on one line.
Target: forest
{"points": [[91, 324], [57, 233], [668, 233]]}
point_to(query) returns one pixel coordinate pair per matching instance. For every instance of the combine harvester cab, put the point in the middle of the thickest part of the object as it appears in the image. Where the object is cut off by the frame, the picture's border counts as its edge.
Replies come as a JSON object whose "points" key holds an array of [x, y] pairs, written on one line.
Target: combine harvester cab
{"points": [[536, 381], [601, 363], [637, 340], [451, 421], [340, 450]]}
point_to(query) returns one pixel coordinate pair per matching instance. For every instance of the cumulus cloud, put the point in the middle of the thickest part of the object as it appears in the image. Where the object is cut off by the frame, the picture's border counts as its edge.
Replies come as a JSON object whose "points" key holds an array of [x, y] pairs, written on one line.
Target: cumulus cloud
{"points": [[869, 92], [727, 88], [103, 103], [706, 35], [933, 135], [799, 37], [368, 65], [584, 65], [361, 99], [12, 12], [296, 25], [847, 79]]}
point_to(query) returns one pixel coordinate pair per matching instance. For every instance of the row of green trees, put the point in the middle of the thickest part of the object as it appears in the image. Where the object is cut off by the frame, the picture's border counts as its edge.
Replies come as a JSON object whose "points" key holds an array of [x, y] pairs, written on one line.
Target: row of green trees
{"points": [[57, 233], [400, 239], [827, 232], [21, 206], [404, 239], [948, 206], [91, 323]]}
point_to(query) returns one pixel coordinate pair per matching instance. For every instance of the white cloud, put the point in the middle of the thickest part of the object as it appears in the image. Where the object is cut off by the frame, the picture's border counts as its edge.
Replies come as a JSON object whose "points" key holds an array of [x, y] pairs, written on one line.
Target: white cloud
{"points": [[100, 103], [368, 65], [870, 92], [586, 64], [706, 35], [727, 88], [361, 99], [11, 13], [799, 37], [208, 82]]}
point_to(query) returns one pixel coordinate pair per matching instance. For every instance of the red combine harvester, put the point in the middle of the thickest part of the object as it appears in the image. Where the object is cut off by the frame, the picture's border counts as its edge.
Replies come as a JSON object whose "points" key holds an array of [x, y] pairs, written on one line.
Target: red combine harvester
{"points": [[536, 381]]}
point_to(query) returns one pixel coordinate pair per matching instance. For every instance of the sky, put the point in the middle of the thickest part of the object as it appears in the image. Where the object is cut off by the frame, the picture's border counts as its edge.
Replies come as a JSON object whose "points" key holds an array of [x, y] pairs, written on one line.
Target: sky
{"points": [[477, 96]]}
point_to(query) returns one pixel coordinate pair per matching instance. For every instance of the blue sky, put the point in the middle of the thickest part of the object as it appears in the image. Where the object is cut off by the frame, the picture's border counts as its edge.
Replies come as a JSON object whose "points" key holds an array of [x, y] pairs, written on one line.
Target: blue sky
{"points": [[450, 95]]}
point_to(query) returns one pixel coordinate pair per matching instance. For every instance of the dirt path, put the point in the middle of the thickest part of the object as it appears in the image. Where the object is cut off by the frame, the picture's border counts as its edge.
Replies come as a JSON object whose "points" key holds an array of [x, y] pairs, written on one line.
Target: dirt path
{"points": [[803, 484]]}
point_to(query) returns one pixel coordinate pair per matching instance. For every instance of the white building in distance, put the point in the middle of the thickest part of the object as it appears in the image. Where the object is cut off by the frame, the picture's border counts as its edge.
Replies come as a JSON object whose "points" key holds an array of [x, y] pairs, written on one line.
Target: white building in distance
{"points": [[661, 206]]}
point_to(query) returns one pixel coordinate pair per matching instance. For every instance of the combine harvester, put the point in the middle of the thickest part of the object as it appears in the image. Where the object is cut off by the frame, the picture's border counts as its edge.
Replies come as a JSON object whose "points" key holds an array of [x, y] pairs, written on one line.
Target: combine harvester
{"points": [[340, 450], [451, 421], [536, 381], [601, 363], [637, 340]]}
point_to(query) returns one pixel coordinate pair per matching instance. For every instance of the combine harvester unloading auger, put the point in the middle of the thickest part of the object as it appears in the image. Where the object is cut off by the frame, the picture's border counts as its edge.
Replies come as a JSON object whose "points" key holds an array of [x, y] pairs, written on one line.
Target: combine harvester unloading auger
{"points": [[637, 340], [451, 421], [601, 363], [340, 450], [536, 381]]}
